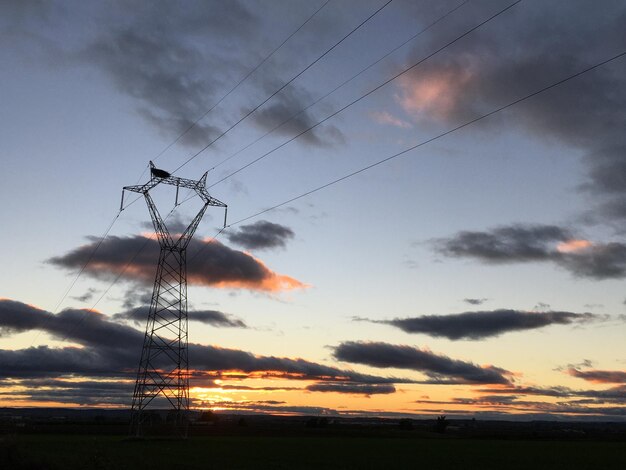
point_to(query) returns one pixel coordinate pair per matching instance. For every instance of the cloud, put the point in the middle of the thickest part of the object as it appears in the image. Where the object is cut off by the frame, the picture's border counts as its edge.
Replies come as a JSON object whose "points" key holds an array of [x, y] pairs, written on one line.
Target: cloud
{"points": [[80, 325], [106, 350], [439, 368], [138, 316], [217, 265], [505, 244], [484, 324], [172, 61], [385, 118], [217, 359], [599, 376], [285, 108], [609, 395], [85, 392], [87, 296], [434, 94], [475, 301], [538, 243], [523, 52], [261, 235], [513, 406], [352, 388]]}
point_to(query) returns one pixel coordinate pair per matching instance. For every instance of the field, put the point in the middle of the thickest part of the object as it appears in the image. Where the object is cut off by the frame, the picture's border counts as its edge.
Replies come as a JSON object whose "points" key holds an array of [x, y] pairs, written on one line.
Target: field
{"points": [[54, 451]]}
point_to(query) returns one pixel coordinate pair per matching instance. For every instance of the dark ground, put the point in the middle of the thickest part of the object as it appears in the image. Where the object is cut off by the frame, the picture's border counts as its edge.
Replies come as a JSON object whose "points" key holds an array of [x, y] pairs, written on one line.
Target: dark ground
{"points": [[84, 439]]}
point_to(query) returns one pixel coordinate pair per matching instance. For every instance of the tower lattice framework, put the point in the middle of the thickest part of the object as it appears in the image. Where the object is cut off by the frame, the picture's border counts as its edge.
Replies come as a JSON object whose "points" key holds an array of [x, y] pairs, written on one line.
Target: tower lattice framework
{"points": [[163, 373]]}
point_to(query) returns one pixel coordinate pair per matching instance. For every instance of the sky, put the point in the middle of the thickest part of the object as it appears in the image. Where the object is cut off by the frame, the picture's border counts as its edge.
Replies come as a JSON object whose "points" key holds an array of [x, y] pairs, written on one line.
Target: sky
{"points": [[474, 268]]}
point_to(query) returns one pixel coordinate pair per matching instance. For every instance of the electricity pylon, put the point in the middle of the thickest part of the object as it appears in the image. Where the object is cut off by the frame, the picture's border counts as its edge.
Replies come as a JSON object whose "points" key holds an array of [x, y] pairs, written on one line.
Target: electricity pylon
{"points": [[164, 366]]}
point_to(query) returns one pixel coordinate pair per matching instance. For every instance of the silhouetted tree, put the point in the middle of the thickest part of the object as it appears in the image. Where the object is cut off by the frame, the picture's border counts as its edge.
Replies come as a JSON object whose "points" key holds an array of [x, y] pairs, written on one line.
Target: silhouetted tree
{"points": [[207, 417], [441, 424]]}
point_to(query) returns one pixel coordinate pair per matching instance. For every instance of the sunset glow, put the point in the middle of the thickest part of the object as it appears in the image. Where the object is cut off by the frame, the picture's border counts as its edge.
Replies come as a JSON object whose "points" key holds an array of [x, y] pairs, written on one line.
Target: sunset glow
{"points": [[399, 209]]}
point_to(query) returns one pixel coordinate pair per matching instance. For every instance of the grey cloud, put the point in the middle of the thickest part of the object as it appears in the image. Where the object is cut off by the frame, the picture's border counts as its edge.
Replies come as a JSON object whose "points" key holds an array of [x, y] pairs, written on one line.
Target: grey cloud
{"points": [[475, 301], [601, 261], [611, 395], [107, 351], [261, 235], [438, 368], [218, 265], [158, 55], [599, 376], [512, 406], [484, 324], [352, 388], [88, 295], [505, 244], [526, 243], [138, 316], [533, 46], [271, 406], [84, 392], [283, 113], [213, 358], [43, 361], [83, 326]]}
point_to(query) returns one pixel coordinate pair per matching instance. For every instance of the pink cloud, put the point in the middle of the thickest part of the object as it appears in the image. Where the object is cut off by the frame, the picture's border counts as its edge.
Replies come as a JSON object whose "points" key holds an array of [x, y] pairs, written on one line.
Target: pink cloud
{"points": [[383, 117]]}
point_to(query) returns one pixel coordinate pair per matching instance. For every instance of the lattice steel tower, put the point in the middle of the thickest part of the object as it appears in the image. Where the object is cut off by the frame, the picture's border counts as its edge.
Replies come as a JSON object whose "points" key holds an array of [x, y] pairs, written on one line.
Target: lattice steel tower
{"points": [[164, 366]]}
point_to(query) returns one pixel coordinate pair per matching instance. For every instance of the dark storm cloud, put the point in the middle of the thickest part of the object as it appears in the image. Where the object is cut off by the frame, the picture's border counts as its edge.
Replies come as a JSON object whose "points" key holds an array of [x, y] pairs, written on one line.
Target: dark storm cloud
{"points": [[533, 45], [546, 243], [436, 367], [261, 235], [138, 316], [484, 324], [352, 388], [216, 266]]}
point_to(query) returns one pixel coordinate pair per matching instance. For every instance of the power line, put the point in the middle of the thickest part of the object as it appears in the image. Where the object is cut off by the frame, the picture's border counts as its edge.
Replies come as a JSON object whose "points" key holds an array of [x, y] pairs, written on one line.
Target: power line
{"points": [[423, 30], [243, 79], [389, 80], [375, 164], [439, 136], [282, 87], [101, 240], [117, 278], [80, 272]]}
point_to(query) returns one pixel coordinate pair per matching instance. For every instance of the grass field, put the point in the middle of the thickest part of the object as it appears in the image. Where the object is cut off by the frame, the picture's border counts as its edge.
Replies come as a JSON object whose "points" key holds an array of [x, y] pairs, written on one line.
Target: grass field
{"points": [[110, 452]]}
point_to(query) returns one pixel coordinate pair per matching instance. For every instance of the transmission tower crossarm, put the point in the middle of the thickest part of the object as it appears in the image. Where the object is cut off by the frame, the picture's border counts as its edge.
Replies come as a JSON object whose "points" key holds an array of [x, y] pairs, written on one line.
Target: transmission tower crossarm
{"points": [[199, 186]]}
